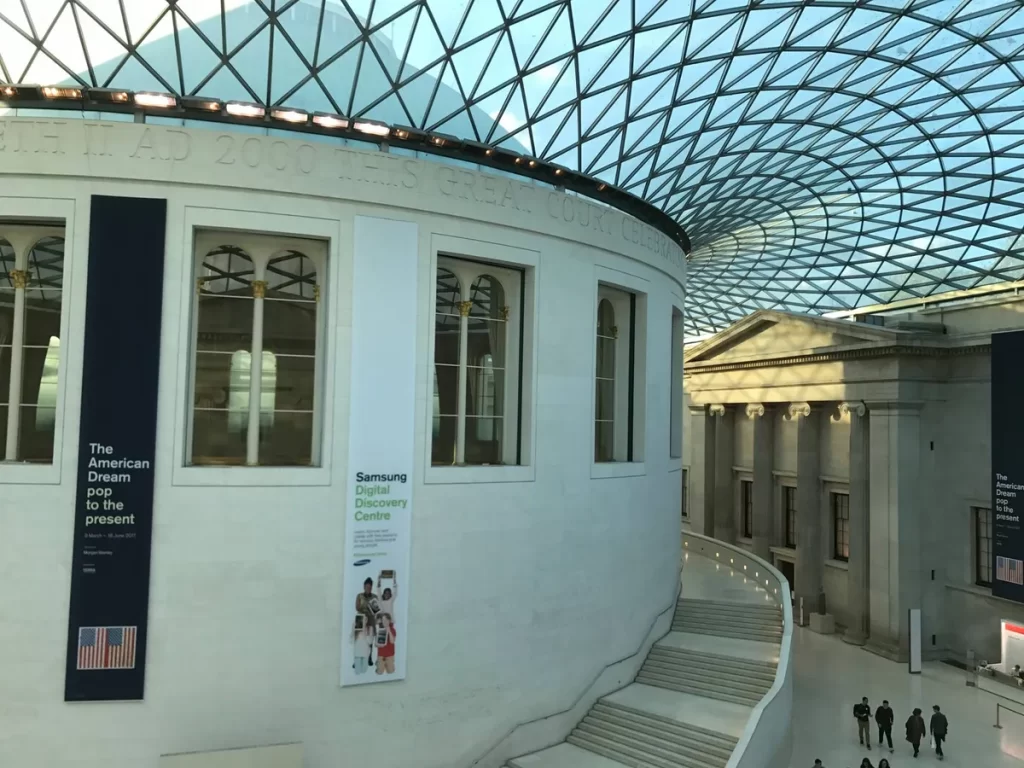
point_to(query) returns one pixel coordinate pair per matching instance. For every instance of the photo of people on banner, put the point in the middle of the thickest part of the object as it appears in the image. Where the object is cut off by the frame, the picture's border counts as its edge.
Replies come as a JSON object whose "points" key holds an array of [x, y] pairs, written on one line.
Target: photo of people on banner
{"points": [[374, 633]]}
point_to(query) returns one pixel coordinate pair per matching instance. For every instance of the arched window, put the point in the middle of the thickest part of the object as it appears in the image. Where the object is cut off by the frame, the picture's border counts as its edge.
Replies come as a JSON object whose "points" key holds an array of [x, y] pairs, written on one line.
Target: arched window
{"points": [[604, 417], [30, 318], [258, 302], [476, 364]]}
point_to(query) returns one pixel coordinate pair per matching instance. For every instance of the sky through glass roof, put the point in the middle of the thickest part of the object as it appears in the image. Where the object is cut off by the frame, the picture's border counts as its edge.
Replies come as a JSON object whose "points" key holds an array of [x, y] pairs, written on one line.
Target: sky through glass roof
{"points": [[820, 155]]}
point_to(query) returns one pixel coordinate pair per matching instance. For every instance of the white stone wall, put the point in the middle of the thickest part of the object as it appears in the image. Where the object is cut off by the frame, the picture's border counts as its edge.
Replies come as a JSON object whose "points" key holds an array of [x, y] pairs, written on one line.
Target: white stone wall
{"points": [[520, 592]]}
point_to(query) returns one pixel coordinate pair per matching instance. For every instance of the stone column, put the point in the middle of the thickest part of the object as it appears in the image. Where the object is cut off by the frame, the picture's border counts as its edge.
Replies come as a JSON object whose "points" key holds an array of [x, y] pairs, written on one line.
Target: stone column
{"points": [[859, 563], [725, 508], [701, 480], [809, 573], [764, 452], [896, 583]]}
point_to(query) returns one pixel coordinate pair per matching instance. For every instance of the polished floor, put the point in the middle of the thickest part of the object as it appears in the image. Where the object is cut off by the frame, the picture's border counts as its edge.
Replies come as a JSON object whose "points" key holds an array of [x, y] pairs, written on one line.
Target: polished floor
{"points": [[831, 676]]}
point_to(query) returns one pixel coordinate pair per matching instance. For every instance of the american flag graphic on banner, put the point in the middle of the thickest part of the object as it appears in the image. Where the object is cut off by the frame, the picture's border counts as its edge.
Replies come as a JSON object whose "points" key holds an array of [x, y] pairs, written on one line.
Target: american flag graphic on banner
{"points": [[106, 647], [1010, 570]]}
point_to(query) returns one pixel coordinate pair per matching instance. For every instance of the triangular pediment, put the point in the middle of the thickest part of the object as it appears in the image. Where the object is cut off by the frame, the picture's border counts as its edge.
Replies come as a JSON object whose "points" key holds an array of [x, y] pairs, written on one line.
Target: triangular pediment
{"points": [[770, 334]]}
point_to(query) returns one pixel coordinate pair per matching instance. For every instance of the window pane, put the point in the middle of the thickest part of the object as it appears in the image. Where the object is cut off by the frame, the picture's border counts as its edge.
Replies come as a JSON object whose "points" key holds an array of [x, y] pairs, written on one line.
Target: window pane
{"points": [[483, 440], [605, 410], [983, 546], [605, 358], [289, 327], [486, 392], [288, 440], [446, 339], [684, 494], [486, 340], [604, 441], [442, 449], [38, 412], [605, 318], [224, 323], [292, 276], [213, 442]]}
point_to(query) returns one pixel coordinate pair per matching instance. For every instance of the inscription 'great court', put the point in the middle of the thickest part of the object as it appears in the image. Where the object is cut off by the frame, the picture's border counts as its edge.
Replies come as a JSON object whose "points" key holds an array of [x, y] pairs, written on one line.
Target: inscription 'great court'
{"points": [[315, 167]]}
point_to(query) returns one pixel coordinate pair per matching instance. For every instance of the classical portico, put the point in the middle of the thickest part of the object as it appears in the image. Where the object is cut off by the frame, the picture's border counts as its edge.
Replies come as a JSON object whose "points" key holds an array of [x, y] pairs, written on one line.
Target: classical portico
{"points": [[827, 421]]}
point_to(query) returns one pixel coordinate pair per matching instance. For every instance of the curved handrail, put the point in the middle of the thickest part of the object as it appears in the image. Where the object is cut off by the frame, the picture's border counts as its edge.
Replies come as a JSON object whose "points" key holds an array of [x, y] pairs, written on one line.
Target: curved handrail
{"points": [[643, 640], [782, 671]]}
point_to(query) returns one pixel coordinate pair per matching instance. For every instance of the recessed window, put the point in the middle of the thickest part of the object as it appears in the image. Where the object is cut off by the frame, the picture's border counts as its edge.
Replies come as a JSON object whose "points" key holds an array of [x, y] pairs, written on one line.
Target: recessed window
{"points": [[747, 508], [982, 518], [477, 363], [676, 387], [257, 327], [617, 420], [686, 514], [31, 277], [840, 504], [789, 515]]}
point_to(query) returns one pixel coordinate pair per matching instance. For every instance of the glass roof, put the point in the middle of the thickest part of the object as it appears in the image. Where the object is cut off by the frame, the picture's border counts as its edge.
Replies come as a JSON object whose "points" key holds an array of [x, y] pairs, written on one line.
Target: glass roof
{"points": [[820, 155]]}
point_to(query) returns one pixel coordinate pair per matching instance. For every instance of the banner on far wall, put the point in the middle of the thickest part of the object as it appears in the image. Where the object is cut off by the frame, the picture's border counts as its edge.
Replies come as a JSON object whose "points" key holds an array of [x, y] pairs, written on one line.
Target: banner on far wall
{"points": [[1007, 466], [375, 606], [107, 617]]}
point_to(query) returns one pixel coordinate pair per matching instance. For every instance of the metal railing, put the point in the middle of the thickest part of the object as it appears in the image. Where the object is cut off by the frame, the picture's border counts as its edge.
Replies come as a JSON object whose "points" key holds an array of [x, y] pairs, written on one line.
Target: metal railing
{"points": [[1008, 709]]}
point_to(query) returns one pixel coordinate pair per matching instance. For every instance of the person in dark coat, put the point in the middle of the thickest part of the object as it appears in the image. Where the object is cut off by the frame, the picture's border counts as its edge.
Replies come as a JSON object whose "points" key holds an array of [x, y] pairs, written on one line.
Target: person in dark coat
{"points": [[939, 726], [862, 714], [916, 730], [884, 716]]}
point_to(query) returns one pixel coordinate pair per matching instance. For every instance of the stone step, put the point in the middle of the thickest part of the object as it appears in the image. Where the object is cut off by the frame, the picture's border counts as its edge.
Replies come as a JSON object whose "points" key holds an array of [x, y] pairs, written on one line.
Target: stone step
{"points": [[709, 675], [698, 688], [761, 609], [726, 665], [753, 618], [724, 630], [629, 754], [690, 740], [645, 741], [687, 729]]}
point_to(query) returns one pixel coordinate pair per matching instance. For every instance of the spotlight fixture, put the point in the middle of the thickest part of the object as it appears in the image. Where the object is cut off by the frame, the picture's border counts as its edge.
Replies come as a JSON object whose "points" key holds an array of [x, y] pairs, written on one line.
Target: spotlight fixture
{"points": [[245, 109], [108, 96], [294, 116], [443, 140], [201, 103], [157, 100], [8, 91], [405, 133], [61, 92], [601, 188], [330, 122], [372, 128]]}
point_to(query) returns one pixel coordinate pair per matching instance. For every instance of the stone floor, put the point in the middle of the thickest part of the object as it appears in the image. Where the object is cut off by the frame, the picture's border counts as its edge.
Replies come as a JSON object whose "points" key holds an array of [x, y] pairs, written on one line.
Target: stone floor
{"points": [[831, 676]]}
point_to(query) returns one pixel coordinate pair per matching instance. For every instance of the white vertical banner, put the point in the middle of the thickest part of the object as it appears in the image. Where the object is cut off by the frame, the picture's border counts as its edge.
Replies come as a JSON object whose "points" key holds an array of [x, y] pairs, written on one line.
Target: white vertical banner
{"points": [[914, 623], [381, 428]]}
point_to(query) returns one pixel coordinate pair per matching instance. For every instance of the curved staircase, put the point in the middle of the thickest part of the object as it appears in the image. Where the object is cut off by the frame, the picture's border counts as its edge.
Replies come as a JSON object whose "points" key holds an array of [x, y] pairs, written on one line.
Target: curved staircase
{"points": [[691, 698]]}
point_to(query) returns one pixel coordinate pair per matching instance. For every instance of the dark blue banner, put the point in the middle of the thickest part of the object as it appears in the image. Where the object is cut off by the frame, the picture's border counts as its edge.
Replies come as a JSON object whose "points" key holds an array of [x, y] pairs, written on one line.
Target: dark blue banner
{"points": [[1007, 466], [114, 504]]}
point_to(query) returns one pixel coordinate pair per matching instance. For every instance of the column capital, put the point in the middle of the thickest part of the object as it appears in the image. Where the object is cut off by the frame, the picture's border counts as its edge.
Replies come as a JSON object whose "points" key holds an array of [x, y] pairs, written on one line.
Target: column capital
{"points": [[852, 408], [755, 410], [718, 409], [795, 410]]}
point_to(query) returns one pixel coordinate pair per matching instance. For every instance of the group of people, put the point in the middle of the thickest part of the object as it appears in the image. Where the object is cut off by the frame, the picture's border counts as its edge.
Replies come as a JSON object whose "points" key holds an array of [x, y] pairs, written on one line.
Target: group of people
{"points": [[916, 730], [374, 631]]}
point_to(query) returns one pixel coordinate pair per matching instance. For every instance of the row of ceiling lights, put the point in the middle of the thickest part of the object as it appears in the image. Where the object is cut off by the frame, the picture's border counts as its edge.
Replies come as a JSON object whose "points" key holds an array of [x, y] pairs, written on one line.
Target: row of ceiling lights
{"points": [[198, 107]]}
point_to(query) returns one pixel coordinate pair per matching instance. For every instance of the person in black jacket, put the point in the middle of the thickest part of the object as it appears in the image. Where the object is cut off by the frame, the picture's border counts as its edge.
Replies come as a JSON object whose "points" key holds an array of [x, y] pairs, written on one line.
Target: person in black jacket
{"points": [[939, 726], [862, 712], [915, 730], [884, 716]]}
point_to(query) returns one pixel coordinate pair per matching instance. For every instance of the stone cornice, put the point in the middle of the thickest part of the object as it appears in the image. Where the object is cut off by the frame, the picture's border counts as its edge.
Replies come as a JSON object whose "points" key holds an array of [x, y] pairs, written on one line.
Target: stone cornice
{"points": [[887, 350]]}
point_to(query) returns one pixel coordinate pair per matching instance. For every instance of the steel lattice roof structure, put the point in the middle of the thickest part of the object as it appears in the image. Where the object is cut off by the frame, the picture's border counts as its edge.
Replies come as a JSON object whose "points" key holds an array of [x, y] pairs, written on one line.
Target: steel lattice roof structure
{"points": [[821, 154]]}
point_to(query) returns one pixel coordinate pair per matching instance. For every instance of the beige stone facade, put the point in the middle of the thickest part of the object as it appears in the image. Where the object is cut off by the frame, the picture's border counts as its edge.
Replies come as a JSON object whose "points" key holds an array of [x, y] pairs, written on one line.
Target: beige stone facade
{"points": [[856, 455]]}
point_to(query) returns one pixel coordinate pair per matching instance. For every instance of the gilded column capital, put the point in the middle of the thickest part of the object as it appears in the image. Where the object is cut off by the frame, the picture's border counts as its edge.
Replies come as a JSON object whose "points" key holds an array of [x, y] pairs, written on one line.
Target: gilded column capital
{"points": [[717, 409], [795, 410], [504, 312], [20, 278], [464, 308], [755, 410], [259, 289]]}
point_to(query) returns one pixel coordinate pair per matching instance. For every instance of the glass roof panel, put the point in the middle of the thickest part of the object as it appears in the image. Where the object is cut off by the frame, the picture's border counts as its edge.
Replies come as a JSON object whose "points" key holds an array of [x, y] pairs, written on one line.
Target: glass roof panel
{"points": [[820, 156]]}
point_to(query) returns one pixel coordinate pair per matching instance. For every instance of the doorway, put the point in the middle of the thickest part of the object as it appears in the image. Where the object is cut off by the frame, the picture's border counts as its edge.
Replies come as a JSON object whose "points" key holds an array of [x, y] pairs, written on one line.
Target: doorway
{"points": [[788, 570]]}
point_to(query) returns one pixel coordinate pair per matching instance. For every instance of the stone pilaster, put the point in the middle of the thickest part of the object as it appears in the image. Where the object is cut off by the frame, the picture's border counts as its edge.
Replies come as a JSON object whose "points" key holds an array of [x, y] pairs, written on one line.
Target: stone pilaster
{"points": [[857, 602], [764, 452], [701, 479], [809, 573], [725, 508]]}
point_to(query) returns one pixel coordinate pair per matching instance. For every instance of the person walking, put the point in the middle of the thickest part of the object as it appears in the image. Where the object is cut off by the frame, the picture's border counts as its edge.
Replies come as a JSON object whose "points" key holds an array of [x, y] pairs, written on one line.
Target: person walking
{"points": [[862, 713], [884, 716], [915, 730], [939, 726], [865, 763]]}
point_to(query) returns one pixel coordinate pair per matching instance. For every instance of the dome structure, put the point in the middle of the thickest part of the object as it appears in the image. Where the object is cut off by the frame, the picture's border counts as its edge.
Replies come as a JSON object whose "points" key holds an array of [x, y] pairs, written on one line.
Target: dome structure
{"points": [[820, 156]]}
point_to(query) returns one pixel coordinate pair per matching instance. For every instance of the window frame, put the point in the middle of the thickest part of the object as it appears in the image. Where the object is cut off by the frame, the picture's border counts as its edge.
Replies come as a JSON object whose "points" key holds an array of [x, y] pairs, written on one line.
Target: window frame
{"points": [[49, 211], [330, 266], [784, 492], [837, 529], [523, 262], [685, 480], [634, 359], [746, 508], [976, 538], [677, 398]]}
